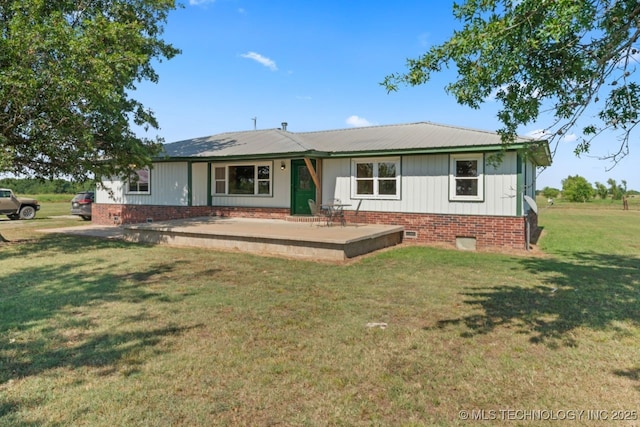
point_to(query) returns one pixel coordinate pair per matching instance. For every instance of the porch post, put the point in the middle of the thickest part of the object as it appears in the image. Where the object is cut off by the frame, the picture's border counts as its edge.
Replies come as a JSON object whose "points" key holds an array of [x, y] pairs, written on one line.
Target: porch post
{"points": [[314, 176]]}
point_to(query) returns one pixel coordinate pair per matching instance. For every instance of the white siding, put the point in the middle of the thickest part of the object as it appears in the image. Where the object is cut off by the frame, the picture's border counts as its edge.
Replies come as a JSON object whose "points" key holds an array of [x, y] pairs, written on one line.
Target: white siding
{"points": [[424, 187], [168, 186], [199, 174]]}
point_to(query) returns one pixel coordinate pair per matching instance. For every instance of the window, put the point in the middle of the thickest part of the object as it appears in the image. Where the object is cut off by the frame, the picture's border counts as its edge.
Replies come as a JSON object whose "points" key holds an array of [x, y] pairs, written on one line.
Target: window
{"points": [[139, 181], [249, 179], [376, 178], [466, 177], [219, 180]]}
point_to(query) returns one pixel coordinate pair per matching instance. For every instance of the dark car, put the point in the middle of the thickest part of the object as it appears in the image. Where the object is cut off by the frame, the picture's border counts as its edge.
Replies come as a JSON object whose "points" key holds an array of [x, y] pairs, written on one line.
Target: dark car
{"points": [[81, 204]]}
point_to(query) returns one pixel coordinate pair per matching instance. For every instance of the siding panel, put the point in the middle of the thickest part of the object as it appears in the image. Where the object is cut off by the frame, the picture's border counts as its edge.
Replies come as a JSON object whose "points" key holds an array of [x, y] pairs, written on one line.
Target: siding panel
{"points": [[199, 173], [424, 187]]}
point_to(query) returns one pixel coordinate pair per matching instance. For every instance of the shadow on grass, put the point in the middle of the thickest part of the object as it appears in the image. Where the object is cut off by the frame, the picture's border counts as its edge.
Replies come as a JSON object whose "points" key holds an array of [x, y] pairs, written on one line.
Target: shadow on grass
{"points": [[585, 290], [45, 311], [57, 243], [632, 374]]}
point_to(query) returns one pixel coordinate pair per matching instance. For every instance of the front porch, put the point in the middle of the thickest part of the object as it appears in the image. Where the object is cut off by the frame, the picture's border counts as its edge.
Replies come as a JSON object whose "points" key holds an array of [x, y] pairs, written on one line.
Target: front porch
{"points": [[313, 241]]}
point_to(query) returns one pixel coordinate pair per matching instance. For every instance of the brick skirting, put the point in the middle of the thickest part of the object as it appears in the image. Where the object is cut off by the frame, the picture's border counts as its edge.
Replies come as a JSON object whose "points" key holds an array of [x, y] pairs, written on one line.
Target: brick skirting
{"points": [[488, 231]]}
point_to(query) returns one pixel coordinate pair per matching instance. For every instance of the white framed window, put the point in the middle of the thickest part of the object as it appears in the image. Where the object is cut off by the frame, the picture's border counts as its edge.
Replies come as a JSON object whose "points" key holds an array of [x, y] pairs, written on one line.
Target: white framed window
{"points": [[375, 178], [139, 182], [248, 179], [466, 177]]}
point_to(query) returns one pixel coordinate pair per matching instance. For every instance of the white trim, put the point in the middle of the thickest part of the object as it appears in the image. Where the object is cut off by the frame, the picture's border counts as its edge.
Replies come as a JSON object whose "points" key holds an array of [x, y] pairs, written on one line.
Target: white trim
{"points": [[478, 178], [257, 180], [139, 172], [375, 178]]}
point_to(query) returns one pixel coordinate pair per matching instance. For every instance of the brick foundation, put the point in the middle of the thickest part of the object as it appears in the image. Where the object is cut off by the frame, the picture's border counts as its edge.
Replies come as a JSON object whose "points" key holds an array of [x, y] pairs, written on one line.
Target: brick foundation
{"points": [[109, 214], [488, 231]]}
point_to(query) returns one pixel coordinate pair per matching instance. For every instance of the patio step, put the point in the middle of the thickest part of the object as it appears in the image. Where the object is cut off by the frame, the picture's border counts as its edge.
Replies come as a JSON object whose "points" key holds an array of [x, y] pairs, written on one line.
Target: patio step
{"points": [[305, 219]]}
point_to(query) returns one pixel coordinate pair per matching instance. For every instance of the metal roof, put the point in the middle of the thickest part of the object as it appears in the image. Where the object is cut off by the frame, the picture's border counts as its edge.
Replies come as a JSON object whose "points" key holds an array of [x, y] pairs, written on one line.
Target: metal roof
{"points": [[247, 143], [411, 137]]}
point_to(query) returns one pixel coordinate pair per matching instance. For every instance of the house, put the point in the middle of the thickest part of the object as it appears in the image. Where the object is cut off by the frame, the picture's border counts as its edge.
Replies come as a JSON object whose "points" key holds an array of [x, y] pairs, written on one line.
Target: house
{"points": [[440, 182]]}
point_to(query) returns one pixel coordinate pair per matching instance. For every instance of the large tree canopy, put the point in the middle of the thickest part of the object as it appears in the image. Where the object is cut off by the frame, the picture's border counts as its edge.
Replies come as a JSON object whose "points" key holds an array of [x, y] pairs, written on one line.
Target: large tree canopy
{"points": [[577, 58], [67, 69]]}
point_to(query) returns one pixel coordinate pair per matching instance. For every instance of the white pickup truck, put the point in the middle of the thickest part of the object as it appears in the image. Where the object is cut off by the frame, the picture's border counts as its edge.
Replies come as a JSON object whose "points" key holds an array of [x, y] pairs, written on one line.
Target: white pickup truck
{"points": [[17, 207]]}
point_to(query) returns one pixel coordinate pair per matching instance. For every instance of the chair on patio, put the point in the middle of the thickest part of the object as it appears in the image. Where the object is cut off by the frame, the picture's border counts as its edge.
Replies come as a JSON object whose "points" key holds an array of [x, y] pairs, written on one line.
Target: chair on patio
{"points": [[317, 212], [336, 210]]}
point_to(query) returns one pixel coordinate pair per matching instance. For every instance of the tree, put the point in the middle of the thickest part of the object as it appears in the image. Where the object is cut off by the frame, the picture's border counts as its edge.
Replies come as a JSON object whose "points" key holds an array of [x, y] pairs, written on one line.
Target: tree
{"points": [[601, 190], [616, 191], [67, 69], [550, 193], [577, 189], [566, 55]]}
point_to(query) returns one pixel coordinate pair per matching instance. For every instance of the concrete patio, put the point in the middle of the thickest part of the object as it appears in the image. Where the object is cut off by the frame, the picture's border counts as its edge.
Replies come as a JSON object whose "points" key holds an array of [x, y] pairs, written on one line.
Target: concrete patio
{"points": [[313, 241]]}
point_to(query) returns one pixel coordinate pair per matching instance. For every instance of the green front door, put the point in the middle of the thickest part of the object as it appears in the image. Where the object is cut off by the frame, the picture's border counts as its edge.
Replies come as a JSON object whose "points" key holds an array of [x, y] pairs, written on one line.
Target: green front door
{"points": [[302, 187]]}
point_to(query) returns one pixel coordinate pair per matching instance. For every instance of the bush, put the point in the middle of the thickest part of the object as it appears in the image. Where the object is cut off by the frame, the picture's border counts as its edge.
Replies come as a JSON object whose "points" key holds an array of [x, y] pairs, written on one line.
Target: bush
{"points": [[577, 189]]}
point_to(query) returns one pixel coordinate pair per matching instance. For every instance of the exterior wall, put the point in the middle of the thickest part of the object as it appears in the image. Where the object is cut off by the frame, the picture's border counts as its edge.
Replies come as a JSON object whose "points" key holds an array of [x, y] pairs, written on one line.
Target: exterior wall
{"points": [[280, 193], [170, 187], [488, 231], [116, 214], [168, 184], [424, 187], [199, 187]]}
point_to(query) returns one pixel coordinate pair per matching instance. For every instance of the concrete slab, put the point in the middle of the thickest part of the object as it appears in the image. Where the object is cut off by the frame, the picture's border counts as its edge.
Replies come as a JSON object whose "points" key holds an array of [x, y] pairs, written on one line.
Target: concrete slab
{"points": [[269, 237]]}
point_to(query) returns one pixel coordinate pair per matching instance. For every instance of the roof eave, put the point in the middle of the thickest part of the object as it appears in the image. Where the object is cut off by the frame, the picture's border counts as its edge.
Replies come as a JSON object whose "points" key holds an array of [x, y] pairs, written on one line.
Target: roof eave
{"points": [[539, 153], [243, 157]]}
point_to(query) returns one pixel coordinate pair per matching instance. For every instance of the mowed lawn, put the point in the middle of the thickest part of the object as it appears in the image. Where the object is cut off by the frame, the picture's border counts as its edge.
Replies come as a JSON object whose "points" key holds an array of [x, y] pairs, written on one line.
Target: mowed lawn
{"points": [[107, 333]]}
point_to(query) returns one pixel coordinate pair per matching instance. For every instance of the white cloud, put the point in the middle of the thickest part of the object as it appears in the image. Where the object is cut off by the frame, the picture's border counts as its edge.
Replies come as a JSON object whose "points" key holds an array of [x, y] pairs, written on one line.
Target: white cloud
{"points": [[358, 121], [570, 137], [269, 63], [200, 2]]}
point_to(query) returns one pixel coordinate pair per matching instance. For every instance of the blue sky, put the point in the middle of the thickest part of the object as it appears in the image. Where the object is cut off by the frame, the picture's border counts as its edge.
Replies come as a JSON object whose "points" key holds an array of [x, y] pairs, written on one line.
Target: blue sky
{"points": [[318, 65]]}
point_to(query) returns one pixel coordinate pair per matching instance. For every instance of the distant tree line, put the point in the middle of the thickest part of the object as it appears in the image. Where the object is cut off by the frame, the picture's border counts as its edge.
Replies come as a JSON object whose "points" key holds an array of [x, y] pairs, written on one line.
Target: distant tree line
{"points": [[36, 186], [578, 189]]}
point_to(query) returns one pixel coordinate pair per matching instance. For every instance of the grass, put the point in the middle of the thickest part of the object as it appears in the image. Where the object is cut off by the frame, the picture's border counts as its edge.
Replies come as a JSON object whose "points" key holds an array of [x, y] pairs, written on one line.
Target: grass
{"points": [[106, 333]]}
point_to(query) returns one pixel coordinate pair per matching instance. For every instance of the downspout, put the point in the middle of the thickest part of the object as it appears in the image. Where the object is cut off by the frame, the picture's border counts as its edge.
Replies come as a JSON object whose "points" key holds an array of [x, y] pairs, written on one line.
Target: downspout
{"points": [[519, 185], [520, 180]]}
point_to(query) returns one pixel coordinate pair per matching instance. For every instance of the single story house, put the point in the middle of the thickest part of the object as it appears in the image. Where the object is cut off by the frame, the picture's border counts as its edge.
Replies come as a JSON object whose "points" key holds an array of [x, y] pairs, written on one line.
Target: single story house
{"points": [[437, 181]]}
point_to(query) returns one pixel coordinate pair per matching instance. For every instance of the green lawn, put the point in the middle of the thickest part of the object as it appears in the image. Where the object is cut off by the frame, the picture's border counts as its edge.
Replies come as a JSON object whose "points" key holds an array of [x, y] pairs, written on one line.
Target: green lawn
{"points": [[106, 333]]}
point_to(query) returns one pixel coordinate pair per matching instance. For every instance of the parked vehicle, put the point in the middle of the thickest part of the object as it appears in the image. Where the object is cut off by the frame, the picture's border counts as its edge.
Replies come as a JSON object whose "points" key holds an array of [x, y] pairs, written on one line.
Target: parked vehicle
{"points": [[17, 207], [81, 204]]}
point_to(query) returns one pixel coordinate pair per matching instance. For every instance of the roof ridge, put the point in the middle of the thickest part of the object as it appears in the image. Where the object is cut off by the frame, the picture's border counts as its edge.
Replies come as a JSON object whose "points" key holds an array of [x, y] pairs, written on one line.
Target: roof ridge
{"points": [[424, 122]]}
